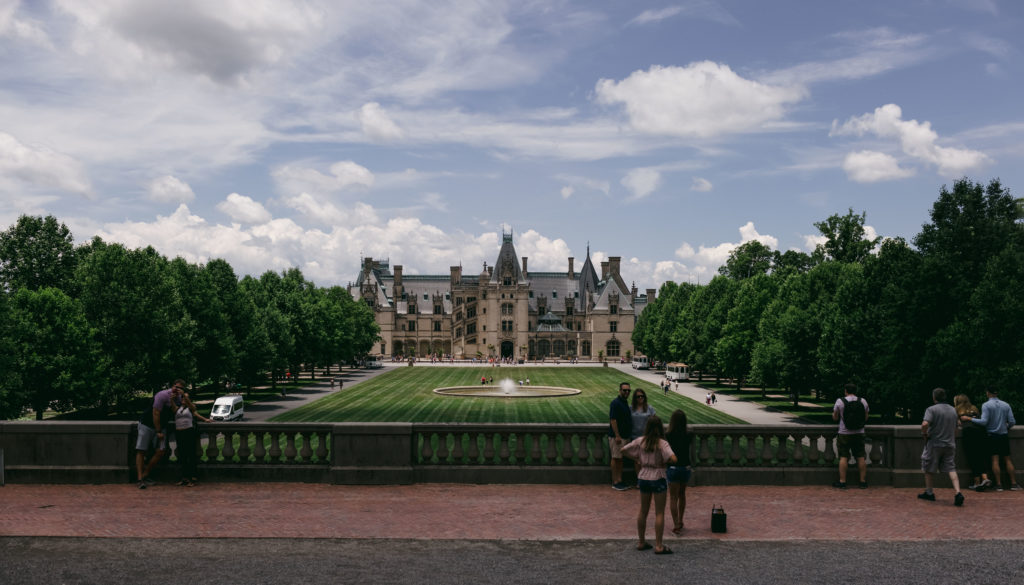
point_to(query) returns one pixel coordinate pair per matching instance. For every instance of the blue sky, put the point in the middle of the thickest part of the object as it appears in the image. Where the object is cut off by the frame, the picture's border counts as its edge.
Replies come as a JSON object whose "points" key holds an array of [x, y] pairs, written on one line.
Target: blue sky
{"points": [[310, 134]]}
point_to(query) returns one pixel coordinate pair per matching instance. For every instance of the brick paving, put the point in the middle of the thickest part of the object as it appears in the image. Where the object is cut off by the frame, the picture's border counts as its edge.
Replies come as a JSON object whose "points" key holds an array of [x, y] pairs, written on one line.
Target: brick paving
{"points": [[494, 512]]}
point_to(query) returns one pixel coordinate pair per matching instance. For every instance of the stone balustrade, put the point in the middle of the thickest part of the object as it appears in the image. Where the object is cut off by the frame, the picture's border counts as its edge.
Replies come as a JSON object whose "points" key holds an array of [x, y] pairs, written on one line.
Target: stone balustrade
{"points": [[395, 453]]}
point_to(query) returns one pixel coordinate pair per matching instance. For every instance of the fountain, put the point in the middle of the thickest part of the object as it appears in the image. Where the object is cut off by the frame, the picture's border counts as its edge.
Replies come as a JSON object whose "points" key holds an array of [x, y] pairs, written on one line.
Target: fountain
{"points": [[507, 388]]}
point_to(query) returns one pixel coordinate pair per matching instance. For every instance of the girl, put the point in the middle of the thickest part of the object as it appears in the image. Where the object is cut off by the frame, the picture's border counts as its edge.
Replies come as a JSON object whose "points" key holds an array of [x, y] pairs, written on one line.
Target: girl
{"points": [[679, 439], [975, 446], [653, 454], [187, 439]]}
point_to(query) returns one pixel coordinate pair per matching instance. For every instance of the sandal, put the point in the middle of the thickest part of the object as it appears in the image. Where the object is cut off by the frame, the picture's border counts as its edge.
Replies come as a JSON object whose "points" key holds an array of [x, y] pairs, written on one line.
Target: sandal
{"points": [[644, 546], [664, 551], [183, 482], [190, 484]]}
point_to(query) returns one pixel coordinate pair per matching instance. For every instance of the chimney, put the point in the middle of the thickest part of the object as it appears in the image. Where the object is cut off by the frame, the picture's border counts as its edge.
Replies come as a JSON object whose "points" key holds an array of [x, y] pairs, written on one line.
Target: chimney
{"points": [[398, 275], [367, 265], [613, 265], [572, 274], [650, 294], [604, 270], [524, 267], [456, 275]]}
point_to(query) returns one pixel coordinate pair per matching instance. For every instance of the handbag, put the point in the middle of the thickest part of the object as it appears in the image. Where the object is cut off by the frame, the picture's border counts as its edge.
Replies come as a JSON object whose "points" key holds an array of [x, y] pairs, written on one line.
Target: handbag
{"points": [[718, 517]]}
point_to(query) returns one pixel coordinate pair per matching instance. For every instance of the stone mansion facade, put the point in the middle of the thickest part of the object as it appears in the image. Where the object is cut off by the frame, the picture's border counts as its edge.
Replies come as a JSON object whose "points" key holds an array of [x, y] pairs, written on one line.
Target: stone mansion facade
{"points": [[504, 311]]}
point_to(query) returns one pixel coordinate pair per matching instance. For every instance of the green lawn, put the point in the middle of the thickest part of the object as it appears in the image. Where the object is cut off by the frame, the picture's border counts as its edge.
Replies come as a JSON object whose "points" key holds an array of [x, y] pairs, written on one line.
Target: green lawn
{"points": [[406, 395]]}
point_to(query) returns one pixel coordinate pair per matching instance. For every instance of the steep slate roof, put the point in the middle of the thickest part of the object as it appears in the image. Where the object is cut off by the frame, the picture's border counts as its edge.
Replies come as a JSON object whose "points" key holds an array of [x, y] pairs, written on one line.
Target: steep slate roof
{"points": [[507, 258], [588, 282]]}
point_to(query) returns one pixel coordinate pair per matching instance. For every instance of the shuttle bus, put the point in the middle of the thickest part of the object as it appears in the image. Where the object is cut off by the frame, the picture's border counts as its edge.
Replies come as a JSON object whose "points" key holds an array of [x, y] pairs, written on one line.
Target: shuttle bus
{"points": [[677, 372], [640, 362]]}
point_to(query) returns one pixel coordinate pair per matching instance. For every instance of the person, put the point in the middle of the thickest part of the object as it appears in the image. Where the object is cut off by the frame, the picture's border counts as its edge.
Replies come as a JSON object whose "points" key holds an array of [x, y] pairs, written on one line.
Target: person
{"points": [[654, 454], [679, 439], [187, 438], [851, 434], [997, 418], [640, 412], [620, 426], [974, 441], [939, 454], [153, 430], [707, 399], [714, 398]]}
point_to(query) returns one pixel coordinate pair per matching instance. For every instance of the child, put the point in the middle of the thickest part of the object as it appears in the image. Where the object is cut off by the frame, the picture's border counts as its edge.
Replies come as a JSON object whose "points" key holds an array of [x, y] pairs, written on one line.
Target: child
{"points": [[653, 454]]}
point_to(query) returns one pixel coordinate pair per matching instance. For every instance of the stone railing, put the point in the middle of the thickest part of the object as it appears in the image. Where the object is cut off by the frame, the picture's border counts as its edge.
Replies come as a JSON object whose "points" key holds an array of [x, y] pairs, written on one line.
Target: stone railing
{"points": [[393, 453]]}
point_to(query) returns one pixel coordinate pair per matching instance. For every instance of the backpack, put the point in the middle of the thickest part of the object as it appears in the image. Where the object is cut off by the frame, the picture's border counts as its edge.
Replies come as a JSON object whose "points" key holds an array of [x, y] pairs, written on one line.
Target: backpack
{"points": [[854, 414]]}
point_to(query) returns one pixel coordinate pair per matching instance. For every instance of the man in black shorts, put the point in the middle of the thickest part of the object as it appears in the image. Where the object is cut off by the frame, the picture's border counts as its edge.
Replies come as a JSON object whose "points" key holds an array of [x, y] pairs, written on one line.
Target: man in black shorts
{"points": [[851, 434]]}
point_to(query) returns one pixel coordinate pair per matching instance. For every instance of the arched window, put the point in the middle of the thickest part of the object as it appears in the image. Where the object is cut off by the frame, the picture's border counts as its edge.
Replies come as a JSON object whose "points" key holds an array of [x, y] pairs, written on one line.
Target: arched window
{"points": [[559, 347], [543, 347], [611, 349], [585, 348], [572, 347]]}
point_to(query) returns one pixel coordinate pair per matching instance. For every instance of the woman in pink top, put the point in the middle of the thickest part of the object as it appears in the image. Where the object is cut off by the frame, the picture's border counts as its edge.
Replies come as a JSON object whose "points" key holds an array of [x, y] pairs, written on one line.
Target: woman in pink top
{"points": [[654, 454]]}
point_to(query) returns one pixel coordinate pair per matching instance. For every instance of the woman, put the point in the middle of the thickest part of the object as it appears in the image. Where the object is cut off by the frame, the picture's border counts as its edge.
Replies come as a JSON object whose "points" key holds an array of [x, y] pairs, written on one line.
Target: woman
{"points": [[187, 438], [679, 439], [975, 443], [653, 454], [641, 411]]}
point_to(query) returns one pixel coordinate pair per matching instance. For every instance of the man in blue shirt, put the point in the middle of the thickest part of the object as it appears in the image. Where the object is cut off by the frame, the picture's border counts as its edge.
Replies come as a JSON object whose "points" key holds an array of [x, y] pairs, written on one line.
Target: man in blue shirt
{"points": [[997, 418], [620, 428]]}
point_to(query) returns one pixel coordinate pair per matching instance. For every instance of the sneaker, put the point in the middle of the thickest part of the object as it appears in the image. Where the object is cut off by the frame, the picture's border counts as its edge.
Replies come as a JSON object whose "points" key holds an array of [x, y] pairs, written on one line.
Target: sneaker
{"points": [[926, 496], [148, 481], [958, 499], [142, 485], [863, 485], [999, 487], [1016, 487], [620, 487], [973, 486], [840, 485], [985, 484]]}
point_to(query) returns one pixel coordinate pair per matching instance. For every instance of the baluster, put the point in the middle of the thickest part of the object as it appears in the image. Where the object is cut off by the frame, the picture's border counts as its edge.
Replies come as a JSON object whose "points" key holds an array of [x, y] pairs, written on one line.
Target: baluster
{"points": [[243, 446], [830, 449], [600, 440], [489, 448], [212, 450], [521, 448], [566, 449], [875, 456], [782, 452], [535, 440], [427, 451], [442, 449], [719, 449], [306, 453], [289, 447], [457, 453], [552, 453], [503, 451], [321, 446], [735, 454], [751, 450], [582, 454], [704, 455], [474, 448], [260, 448], [275, 446], [798, 449], [766, 449], [813, 452], [229, 446]]}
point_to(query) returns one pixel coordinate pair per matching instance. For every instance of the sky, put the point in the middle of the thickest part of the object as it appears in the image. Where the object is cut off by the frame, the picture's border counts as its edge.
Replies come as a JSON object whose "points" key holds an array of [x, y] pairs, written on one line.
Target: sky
{"points": [[312, 134]]}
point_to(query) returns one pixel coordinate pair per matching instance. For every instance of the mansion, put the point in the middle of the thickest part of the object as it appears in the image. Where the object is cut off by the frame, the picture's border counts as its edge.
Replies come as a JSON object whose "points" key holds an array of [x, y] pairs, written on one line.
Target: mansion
{"points": [[505, 311]]}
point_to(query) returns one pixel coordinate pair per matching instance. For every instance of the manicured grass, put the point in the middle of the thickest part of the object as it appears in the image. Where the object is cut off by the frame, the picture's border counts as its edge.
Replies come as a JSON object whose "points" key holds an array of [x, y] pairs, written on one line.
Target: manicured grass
{"points": [[406, 395]]}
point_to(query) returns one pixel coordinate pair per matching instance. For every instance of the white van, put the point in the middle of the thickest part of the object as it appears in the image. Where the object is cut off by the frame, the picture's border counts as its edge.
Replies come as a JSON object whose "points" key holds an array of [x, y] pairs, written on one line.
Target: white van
{"points": [[228, 408], [640, 362]]}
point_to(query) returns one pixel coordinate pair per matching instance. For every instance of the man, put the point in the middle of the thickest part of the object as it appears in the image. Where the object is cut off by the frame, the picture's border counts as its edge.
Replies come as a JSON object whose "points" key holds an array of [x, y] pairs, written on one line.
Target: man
{"points": [[997, 418], [851, 434], [939, 454], [153, 430], [620, 428]]}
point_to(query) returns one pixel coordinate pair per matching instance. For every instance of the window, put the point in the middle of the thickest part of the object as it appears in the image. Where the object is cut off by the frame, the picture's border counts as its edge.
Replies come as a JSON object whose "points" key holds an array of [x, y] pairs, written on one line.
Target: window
{"points": [[382, 349], [426, 297], [437, 325], [438, 310], [485, 311], [568, 311], [412, 326], [483, 295], [507, 308], [507, 281], [369, 302], [458, 332], [470, 299], [612, 348], [471, 312], [507, 326], [483, 328], [614, 309], [458, 301], [471, 329], [412, 309], [531, 294], [585, 348], [554, 294], [613, 326]]}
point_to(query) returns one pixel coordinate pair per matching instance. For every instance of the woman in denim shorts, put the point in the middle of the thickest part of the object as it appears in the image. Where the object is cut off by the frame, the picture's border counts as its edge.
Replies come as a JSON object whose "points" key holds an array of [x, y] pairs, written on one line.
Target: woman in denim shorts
{"points": [[653, 454]]}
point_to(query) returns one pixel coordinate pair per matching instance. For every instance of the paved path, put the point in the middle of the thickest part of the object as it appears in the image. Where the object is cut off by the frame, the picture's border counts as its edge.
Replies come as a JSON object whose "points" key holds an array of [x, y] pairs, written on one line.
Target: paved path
{"points": [[301, 395]]}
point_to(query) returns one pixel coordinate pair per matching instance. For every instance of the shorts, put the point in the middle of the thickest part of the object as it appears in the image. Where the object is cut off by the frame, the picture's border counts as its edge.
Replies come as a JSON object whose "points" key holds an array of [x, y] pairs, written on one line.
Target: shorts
{"points": [[616, 447], [148, 440], [652, 486], [679, 473], [847, 444], [999, 445], [938, 459]]}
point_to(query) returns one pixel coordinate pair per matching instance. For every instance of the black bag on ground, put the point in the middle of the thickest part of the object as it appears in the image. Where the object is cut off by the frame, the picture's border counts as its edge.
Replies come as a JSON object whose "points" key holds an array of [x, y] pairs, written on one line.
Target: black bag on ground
{"points": [[717, 518]]}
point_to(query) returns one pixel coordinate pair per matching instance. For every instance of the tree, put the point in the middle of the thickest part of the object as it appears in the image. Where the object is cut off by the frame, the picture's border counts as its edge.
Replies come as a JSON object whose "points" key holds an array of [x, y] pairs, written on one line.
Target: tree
{"points": [[35, 253], [844, 238], [746, 260], [56, 353], [734, 349], [12, 391]]}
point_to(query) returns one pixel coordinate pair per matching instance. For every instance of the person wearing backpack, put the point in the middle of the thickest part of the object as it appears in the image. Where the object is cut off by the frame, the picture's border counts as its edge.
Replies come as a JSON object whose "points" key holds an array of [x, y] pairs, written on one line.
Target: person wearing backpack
{"points": [[852, 414]]}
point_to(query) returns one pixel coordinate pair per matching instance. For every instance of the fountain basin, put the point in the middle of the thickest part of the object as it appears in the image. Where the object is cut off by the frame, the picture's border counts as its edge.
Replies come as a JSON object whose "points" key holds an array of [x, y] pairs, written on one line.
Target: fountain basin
{"points": [[497, 391]]}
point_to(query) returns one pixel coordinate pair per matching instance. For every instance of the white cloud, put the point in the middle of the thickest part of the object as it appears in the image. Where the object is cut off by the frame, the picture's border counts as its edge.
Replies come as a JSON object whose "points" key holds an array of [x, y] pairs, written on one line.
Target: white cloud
{"points": [[916, 139], [545, 254], [377, 125], [169, 189], [714, 256], [341, 175], [701, 184], [652, 15], [868, 166], [39, 168], [14, 25], [567, 191], [244, 209], [642, 182], [703, 99]]}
